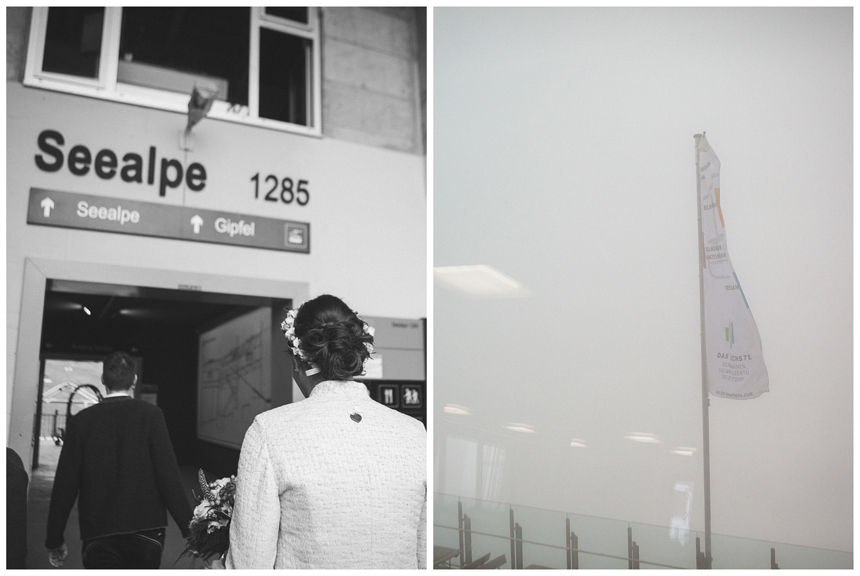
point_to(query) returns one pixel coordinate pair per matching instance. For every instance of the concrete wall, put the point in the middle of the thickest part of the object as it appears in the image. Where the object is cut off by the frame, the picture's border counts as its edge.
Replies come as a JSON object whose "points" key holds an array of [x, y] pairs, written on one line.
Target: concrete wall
{"points": [[17, 33], [372, 68]]}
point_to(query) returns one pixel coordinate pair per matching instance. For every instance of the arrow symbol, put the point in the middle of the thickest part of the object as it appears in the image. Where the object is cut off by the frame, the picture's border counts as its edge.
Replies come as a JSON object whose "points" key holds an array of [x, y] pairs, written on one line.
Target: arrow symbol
{"points": [[197, 222], [46, 205]]}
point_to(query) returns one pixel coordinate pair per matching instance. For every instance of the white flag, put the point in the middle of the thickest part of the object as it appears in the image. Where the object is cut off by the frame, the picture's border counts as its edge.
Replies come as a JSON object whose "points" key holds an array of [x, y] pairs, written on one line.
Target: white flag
{"points": [[734, 363]]}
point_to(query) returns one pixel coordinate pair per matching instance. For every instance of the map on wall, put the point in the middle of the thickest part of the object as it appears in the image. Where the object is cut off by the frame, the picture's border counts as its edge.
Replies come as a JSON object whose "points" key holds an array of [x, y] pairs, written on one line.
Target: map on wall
{"points": [[233, 377]]}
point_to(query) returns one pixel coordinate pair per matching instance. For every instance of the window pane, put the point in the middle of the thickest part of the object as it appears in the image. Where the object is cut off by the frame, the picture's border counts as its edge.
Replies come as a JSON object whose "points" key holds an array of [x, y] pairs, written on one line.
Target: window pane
{"points": [[294, 14], [73, 41], [174, 48], [284, 70]]}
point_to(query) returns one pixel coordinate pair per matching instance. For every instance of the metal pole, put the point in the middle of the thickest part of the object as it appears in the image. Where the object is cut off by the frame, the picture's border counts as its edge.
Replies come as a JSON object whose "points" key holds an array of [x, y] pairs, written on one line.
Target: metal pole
{"points": [[706, 451], [467, 526], [629, 548], [460, 530], [513, 544], [567, 540], [518, 530]]}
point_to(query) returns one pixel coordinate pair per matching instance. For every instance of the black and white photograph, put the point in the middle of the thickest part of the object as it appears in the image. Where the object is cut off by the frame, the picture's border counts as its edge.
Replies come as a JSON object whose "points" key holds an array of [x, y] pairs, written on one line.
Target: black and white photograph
{"points": [[430, 287], [216, 259]]}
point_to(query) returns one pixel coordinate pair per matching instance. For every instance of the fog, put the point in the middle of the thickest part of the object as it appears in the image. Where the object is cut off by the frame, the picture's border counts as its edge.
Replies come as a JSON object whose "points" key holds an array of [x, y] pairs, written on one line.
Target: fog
{"points": [[564, 158]]}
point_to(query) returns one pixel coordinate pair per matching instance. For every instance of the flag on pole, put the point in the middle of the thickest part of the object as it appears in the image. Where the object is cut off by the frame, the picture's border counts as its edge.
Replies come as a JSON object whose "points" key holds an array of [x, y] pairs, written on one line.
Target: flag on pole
{"points": [[734, 362]]}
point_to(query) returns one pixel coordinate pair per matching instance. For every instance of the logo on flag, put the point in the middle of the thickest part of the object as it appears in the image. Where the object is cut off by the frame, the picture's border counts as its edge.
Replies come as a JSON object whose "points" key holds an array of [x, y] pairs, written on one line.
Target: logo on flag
{"points": [[734, 362]]}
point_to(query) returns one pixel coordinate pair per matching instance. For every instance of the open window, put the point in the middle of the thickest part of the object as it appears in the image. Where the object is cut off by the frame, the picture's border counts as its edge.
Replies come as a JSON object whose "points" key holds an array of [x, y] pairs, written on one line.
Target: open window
{"points": [[264, 63]]}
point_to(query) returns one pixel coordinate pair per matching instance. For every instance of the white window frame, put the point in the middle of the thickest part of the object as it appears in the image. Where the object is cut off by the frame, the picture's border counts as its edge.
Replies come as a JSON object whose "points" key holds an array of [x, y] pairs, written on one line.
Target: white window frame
{"points": [[106, 86]]}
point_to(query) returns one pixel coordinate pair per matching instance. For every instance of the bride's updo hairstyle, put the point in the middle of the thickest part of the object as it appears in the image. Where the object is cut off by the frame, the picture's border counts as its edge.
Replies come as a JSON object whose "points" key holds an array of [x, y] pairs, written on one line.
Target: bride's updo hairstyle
{"points": [[333, 337]]}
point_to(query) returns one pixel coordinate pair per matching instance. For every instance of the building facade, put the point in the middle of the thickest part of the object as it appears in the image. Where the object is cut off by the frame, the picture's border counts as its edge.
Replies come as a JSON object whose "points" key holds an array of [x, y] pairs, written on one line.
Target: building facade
{"points": [[239, 159]]}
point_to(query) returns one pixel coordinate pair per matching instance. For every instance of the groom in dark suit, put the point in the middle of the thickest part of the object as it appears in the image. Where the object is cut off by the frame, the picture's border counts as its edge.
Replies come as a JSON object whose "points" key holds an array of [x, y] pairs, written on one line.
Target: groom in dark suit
{"points": [[117, 461]]}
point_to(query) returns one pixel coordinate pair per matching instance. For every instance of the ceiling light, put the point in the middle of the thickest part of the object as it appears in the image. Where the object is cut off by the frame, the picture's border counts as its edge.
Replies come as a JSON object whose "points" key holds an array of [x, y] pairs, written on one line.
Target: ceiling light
{"points": [[643, 437], [520, 428], [133, 312], [577, 443], [457, 409], [681, 451], [480, 280]]}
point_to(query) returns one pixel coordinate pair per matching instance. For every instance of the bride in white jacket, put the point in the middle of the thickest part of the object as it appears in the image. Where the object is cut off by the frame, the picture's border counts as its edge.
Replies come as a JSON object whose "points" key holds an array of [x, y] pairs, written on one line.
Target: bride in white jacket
{"points": [[337, 480]]}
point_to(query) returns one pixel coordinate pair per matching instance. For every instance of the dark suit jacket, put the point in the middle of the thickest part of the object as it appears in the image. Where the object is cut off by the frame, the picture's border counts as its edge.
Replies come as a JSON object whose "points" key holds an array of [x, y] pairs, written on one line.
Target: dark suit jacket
{"points": [[118, 462]]}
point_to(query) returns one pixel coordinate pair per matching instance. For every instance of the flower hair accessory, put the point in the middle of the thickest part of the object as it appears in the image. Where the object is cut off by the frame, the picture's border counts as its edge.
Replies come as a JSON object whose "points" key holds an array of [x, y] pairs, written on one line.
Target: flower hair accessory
{"points": [[289, 328], [369, 330]]}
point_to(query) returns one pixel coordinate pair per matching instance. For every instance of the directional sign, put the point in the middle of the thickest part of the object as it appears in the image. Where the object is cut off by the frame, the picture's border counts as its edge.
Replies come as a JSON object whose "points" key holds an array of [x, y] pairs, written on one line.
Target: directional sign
{"points": [[196, 223], [87, 212], [47, 204]]}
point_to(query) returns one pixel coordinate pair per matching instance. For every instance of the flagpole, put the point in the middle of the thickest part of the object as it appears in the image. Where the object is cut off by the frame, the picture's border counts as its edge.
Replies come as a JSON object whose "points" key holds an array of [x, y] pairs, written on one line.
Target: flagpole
{"points": [[706, 452]]}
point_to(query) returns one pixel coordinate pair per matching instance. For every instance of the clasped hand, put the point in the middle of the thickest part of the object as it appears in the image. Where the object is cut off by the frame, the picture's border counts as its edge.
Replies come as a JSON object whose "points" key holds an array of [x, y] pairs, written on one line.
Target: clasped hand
{"points": [[57, 556]]}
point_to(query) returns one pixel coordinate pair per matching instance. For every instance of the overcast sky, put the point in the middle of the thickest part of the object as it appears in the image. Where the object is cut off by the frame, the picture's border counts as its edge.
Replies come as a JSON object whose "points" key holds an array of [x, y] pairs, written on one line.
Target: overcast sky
{"points": [[564, 158]]}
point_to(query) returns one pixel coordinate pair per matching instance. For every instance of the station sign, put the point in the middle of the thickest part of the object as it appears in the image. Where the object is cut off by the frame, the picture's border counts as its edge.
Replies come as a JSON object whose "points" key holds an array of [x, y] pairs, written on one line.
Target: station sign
{"points": [[106, 214]]}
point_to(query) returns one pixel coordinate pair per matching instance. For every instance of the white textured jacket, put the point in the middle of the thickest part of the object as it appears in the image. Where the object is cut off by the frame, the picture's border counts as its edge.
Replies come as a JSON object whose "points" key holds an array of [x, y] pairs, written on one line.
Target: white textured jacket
{"points": [[316, 489]]}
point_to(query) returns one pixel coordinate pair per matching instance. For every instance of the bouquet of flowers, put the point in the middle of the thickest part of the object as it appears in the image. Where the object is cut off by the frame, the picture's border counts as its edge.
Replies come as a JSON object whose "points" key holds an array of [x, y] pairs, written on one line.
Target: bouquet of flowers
{"points": [[210, 524]]}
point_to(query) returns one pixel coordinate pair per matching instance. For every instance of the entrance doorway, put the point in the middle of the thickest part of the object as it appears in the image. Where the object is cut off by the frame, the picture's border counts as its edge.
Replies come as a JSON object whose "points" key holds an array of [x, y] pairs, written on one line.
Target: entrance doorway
{"points": [[164, 330], [82, 312]]}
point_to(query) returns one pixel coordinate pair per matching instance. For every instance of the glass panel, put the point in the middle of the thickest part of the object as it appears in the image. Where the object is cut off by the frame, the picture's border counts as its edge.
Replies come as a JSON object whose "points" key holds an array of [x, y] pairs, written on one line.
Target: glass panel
{"points": [[602, 541], [790, 556], [445, 522], [491, 521], [176, 48], [732, 552], [667, 546], [73, 41], [295, 14], [284, 68], [543, 527]]}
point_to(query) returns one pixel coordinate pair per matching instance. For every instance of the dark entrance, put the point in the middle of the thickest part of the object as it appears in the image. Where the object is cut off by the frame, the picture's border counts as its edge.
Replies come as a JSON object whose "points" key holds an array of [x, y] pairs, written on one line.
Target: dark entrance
{"points": [[85, 322]]}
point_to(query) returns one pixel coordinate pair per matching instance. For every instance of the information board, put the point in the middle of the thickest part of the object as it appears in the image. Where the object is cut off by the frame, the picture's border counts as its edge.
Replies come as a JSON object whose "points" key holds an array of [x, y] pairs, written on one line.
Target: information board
{"points": [[234, 377]]}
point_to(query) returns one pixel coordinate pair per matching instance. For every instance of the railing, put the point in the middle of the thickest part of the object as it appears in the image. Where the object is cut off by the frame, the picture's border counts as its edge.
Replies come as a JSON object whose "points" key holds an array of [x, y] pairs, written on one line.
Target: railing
{"points": [[480, 530], [52, 424]]}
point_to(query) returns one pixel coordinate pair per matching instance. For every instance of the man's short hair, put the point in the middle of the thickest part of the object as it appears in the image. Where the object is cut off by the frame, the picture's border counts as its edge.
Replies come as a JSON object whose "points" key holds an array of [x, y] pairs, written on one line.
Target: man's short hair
{"points": [[119, 371]]}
